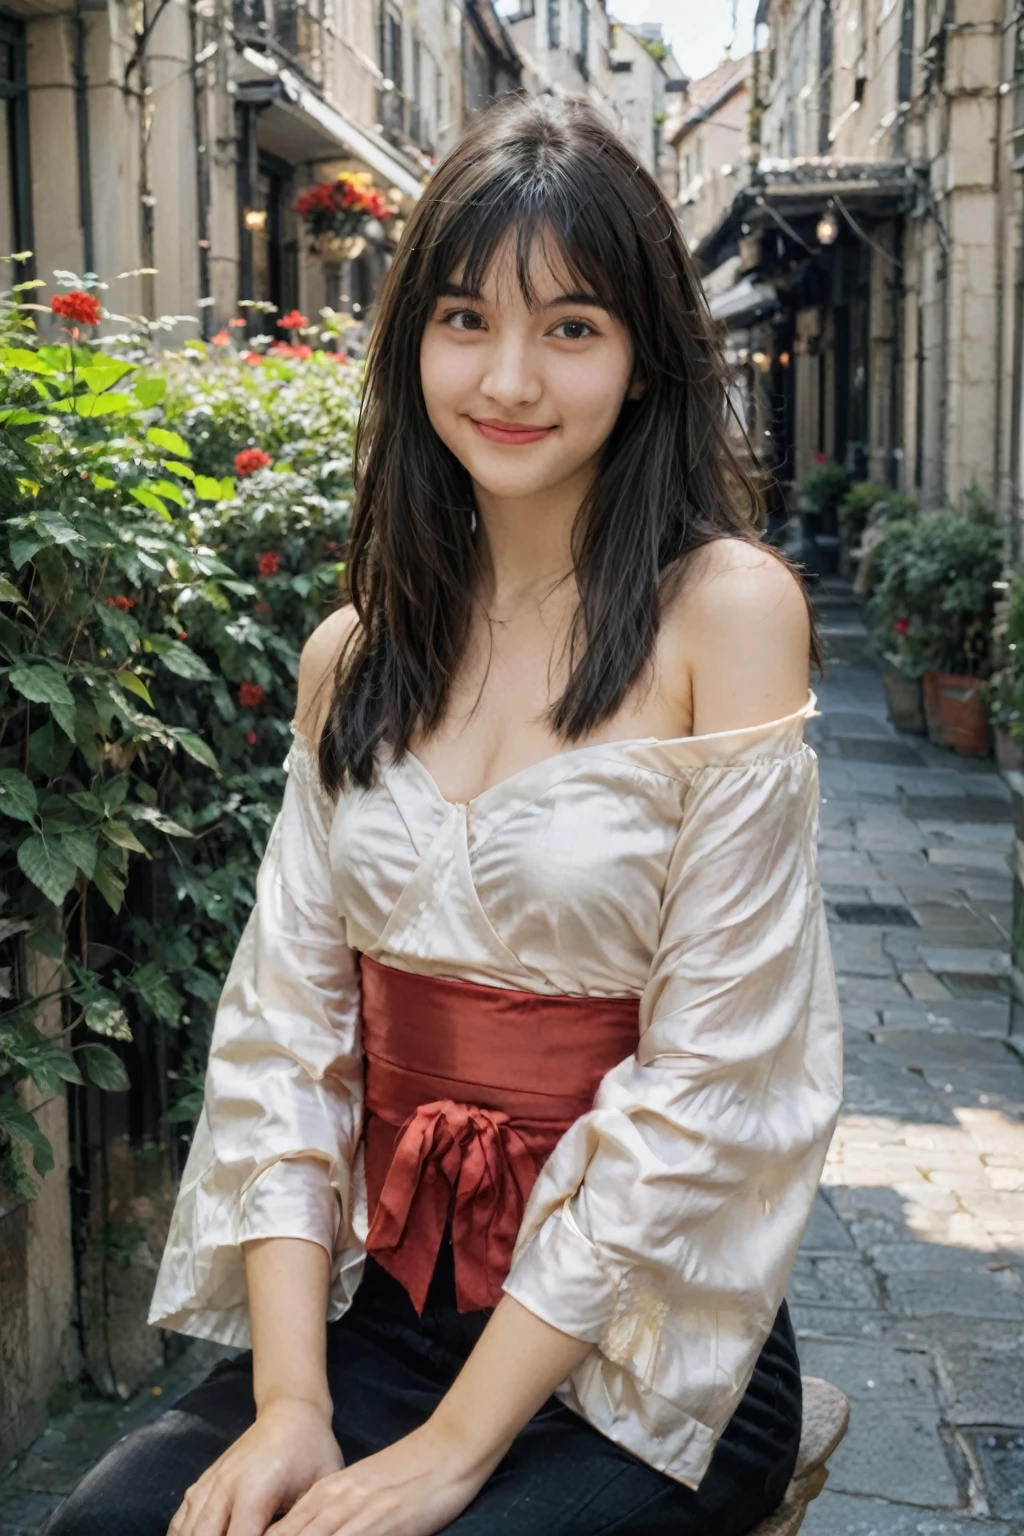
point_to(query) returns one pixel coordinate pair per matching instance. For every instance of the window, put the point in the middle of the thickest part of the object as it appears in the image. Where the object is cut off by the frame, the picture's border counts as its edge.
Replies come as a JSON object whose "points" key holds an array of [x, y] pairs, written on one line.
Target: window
{"points": [[1018, 96], [15, 183], [390, 96], [584, 57], [554, 23], [825, 51]]}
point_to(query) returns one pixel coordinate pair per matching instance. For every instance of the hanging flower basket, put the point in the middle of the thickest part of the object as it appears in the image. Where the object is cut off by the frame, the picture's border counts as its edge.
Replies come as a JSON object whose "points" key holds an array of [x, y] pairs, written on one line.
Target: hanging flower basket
{"points": [[336, 213]]}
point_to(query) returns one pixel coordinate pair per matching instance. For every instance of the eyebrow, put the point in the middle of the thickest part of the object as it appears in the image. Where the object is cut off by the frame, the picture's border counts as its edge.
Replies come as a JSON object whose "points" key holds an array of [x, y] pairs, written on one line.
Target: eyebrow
{"points": [[578, 296]]}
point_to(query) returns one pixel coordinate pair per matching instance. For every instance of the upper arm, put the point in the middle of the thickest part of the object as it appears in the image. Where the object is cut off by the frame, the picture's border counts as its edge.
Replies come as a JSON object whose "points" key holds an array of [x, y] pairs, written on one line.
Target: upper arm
{"points": [[746, 637], [318, 666]]}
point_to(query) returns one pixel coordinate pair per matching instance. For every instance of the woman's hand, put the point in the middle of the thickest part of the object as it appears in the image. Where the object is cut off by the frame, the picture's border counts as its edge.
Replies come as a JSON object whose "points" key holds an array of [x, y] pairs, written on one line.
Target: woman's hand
{"points": [[290, 1447], [413, 1488]]}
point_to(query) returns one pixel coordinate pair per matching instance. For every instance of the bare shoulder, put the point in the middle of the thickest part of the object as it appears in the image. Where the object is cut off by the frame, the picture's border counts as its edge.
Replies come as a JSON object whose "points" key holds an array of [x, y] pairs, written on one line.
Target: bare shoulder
{"points": [[317, 666], [744, 635]]}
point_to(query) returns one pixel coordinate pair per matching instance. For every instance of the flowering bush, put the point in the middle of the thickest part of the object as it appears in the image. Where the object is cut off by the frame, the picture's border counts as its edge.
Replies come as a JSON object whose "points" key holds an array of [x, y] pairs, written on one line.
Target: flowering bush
{"points": [[82, 308], [146, 682], [249, 460]]}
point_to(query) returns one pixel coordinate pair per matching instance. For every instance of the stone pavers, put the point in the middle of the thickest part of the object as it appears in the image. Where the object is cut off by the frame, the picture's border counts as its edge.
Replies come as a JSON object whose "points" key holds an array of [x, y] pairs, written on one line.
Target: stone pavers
{"points": [[908, 1290]]}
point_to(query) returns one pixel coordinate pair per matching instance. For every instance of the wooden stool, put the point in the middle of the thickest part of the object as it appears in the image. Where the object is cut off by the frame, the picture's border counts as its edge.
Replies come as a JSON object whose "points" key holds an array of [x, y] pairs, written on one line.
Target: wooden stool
{"points": [[826, 1415]]}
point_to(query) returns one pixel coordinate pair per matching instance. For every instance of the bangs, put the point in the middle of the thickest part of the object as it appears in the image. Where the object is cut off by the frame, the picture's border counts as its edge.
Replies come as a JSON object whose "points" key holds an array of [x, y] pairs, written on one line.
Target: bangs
{"points": [[540, 213]]}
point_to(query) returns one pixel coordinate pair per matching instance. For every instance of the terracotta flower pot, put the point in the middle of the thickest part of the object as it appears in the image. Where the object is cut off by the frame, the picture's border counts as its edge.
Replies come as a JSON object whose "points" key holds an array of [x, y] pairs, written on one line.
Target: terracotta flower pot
{"points": [[956, 713], [904, 697]]}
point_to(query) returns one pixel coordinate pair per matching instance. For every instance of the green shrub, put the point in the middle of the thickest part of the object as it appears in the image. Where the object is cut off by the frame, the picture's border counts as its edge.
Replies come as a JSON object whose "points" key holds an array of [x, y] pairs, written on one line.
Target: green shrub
{"points": [[154, 597], [825, 486], [866, 504], [935, 599]]}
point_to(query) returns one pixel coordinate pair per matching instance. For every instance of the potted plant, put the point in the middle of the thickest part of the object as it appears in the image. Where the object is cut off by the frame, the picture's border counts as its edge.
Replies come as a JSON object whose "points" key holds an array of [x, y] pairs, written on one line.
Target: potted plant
{"points": [[890, 627], [336, 214], [864, 513], [1006, 690], [820, 496], [937, 592]]}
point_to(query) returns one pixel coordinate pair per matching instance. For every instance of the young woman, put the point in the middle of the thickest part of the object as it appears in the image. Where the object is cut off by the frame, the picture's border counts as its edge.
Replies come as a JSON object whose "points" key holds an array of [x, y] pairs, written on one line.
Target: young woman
{"points": [[527, 1064]]}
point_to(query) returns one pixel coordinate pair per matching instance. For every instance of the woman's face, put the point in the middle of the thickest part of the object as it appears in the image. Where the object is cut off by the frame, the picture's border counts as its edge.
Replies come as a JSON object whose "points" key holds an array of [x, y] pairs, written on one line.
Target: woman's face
{"points": [[524, 395]]}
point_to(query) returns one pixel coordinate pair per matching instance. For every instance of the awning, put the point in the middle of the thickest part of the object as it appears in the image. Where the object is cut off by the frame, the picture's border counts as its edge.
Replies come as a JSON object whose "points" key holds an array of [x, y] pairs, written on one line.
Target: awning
{"points": [[309, 128], [743, 301]]}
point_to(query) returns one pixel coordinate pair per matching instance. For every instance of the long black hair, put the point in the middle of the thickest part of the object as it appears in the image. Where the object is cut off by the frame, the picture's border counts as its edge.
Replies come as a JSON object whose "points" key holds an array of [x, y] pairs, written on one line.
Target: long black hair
{"points": [[670, 479]]}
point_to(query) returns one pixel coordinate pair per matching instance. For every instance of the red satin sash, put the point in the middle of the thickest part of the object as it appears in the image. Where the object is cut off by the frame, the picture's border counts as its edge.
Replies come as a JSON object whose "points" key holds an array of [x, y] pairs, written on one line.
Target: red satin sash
{"points": [[468, 1089]]}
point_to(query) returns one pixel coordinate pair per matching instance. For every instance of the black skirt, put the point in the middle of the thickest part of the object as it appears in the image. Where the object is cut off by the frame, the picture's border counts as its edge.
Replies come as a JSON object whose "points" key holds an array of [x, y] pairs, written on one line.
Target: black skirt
{"points": [[387, 1370]]}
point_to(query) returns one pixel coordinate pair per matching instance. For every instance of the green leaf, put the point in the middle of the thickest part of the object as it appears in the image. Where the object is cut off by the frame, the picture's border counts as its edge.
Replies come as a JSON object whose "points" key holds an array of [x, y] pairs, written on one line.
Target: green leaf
{"points": [[21, 357], [40, 683], [23, 546], [47, 865], [18, 798], [183, 661], [171, 491], [240, 588], [18, 416], [81, 846], [150, 390], [105, 1015], [17, 1122], [123, 837], [145, 496], [227, 488], [57, 526], [104, 372], [95, 405], [135, 685], [45, 942], [9, 593], [170, 442], [154, 985], [184, 470], [104, 1068], [44, 1059], [110, 883], [156, 818], [103, 482], [65, 717], [48, 751], [208, 489], [196, 747]]}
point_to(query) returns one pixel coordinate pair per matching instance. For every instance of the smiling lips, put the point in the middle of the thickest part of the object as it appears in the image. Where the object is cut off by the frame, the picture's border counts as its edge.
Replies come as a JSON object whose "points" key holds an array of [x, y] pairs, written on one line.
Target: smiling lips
{"points": [[510, 432]]}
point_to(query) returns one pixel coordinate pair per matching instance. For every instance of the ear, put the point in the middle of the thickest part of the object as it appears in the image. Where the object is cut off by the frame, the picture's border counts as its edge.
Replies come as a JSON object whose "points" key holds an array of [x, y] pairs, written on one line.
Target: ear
{"points": [[637, 389]]}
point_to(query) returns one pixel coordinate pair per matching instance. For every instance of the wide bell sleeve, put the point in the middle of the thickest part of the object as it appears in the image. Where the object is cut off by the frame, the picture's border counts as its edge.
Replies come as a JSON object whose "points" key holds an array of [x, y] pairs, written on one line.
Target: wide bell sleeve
{"points": [[664, 1227], [275, 1145]]}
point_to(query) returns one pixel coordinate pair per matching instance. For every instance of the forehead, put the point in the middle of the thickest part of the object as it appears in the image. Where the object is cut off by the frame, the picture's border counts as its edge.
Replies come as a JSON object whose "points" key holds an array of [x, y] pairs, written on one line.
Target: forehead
{"points": [[520, 267]]}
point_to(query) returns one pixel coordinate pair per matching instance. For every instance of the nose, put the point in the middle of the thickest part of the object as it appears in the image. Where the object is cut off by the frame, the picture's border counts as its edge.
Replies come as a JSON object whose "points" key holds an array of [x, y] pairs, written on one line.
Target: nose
{"points": [[511, 378]]}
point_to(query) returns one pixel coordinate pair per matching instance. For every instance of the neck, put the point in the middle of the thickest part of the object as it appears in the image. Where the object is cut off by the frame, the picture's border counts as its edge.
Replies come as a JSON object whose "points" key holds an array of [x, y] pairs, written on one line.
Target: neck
{"points": [[528, 541]]}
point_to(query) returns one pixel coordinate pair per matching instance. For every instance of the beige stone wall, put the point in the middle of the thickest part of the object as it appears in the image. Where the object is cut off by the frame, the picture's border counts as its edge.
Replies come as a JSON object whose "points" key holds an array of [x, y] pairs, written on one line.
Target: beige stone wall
{"points": [[714, 162]]}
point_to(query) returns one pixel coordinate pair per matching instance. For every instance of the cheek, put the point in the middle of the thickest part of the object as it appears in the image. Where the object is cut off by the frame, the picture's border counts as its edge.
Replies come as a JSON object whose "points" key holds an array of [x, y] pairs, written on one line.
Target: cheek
{"points": [[445, 374], [589, 392]]}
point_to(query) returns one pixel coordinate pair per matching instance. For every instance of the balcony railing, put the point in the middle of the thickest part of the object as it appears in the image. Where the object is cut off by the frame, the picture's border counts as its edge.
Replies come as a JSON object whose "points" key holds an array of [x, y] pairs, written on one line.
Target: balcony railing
{"points": [[293, 26]]}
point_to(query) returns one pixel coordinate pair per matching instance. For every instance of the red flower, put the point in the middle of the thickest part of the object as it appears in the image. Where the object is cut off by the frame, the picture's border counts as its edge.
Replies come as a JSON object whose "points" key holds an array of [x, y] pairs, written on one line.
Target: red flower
{"points": [[81, 307], [251, 738], [120, 601], [253, 358], [294, 320], [182, 634], [901, 626], [237, 321], [269, 563], [249, 460], [261, 607], [285, 349], [250, 695], [222, 339]]}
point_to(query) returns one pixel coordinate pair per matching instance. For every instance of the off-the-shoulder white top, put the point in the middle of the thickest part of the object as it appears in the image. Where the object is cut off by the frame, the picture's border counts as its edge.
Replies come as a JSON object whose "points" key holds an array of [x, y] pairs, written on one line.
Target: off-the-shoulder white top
{"points": [[665, 1224]]}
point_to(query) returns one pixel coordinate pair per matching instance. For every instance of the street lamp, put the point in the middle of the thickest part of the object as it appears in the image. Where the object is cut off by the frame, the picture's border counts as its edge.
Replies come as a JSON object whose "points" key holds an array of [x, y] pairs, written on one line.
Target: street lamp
{"points": [[828, 229]]}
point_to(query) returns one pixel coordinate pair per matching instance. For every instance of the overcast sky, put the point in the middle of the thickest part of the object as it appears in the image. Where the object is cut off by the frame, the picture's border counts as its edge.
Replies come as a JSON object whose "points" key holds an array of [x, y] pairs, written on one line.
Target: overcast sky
{"points": [[699, 30]]}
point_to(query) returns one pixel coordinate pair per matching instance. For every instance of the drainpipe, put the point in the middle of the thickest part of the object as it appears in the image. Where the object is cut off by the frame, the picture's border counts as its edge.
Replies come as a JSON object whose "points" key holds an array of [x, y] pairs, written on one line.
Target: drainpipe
{"points": [[81, 77]]}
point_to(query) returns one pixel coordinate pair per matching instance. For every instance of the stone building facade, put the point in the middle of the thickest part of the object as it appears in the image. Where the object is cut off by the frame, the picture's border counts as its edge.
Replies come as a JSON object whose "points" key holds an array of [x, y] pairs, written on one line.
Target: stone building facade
{"points": [[878, 228]]}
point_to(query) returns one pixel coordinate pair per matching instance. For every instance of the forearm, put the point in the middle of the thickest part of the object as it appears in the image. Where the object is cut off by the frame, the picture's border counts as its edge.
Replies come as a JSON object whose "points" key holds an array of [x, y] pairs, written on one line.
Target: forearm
{"points": [[288, 1281], [513, 1370]]}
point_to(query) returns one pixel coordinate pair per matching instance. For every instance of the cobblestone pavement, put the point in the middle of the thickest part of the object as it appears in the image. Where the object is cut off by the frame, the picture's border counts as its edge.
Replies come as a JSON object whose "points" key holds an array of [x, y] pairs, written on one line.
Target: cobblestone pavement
{"points": [[908, 1292]]}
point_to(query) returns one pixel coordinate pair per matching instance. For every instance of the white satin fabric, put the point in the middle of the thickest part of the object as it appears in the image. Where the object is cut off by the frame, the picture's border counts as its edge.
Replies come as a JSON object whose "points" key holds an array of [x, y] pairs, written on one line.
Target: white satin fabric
{"points": [[665, 1224]]}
